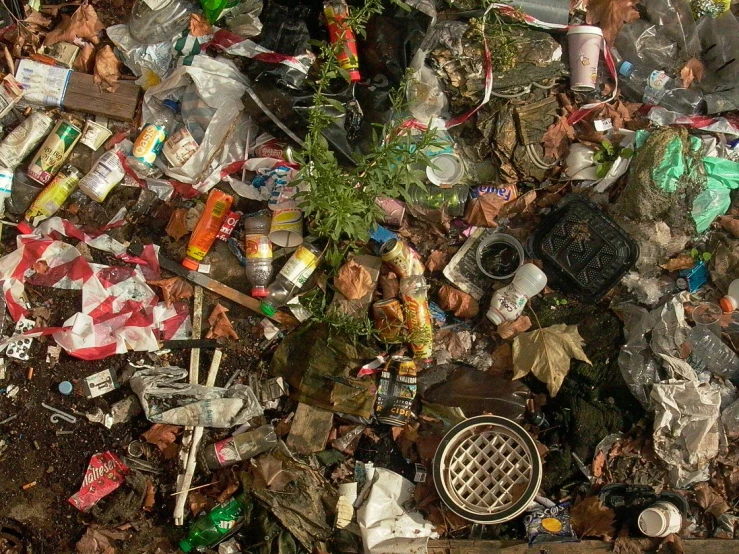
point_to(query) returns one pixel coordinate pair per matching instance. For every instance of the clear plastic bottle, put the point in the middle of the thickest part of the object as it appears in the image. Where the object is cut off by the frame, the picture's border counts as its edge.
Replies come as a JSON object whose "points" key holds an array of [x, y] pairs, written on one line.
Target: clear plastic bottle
{"points": [[291, 278], [238, 448], [258, 252], [642, 84], [154, 134], [730, 302], [155, 21], [508, 302], [718, 357]]}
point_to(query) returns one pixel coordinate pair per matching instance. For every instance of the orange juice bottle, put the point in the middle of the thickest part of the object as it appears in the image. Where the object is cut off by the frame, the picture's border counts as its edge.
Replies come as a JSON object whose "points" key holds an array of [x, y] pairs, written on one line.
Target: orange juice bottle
{"points": [[204, 235]]}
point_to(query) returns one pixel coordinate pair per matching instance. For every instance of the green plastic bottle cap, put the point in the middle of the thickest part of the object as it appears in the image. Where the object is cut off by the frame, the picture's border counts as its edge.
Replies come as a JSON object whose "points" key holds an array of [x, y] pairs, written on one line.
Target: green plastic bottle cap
{"points": [[267, 309], [185, 546]]}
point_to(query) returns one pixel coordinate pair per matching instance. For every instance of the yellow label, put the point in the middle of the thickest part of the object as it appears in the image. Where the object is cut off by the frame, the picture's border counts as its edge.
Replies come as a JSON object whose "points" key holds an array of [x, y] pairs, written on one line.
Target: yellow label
{"points": [[149, 144], [300, 266], [52, 197]]}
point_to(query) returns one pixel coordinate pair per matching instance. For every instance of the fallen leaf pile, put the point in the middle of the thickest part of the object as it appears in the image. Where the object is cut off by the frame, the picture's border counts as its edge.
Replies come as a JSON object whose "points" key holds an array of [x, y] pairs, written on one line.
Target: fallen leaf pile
{"points": [[557, 137], [99, 541], [547, 354], [83, 24]]}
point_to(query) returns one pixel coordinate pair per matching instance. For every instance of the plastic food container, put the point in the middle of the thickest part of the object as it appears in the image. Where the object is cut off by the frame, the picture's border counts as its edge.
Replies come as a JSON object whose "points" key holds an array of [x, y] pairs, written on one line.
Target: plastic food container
{"points": [[582, 248], [487, 469]]}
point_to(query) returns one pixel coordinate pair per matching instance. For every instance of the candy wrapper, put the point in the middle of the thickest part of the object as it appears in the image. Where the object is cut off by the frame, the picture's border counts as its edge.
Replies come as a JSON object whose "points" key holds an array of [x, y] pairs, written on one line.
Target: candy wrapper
{"points": [[105, 473], [550, 525]]}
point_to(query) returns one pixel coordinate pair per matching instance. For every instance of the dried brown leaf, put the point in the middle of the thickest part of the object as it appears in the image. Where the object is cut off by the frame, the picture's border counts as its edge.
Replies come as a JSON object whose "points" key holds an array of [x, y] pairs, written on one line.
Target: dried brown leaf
{"points": [[671, 545], [85, 61], [177, 226], [618, 113], [590, 518], [502, 359], [174, 289], [353, 280], [460, 303], [107, 69], [97, 540], [557, 137], [150, 498], [231, 487], [198, 502], [484, 210], [510, 329], [683, 261], [599, 464], [458, 344], [611, 15], [547, 354], [38, 20], [691, 71], [83, 23], [519, 205], [390, 286], [199, 26], [161, 435], [710, 500], [272, 473], [437, 260], [730, 225], [220, 325]]}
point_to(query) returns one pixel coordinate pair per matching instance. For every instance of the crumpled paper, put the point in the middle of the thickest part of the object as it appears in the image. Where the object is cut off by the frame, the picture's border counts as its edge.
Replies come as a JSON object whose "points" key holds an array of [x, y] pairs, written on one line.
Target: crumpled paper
{"points": [[686, 429], [386, 526], [166, 398]]}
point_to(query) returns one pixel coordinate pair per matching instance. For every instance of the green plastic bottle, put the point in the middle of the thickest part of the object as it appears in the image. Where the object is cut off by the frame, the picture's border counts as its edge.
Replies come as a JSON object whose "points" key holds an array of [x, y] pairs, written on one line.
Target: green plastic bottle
{"points": [[211, 528], [214, 8]]}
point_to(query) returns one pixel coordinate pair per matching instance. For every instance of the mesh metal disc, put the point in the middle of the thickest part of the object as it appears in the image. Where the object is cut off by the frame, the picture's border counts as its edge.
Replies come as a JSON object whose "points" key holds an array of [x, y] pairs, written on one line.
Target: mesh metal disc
{"points": [[487, 469]]}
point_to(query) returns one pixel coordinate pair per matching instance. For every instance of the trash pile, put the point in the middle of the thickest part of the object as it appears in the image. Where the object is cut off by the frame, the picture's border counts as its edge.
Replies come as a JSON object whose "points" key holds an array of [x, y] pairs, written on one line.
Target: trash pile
{"points": [[456, 270]]}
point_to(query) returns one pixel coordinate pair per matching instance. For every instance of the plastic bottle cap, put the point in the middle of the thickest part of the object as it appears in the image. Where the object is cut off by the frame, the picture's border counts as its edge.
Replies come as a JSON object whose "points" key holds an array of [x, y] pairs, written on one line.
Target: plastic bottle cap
{"points": [[267, 309], [259, 292], [25, 227], [728, 304], [185, 546], [494, 317], [354, 76], [190, 264], [65, 387], [625, 69], [171, 104], [446, 169]]}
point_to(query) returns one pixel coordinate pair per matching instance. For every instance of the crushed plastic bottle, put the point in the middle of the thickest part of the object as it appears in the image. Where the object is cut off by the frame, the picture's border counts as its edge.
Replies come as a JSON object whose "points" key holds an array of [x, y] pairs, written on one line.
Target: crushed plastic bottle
{"points": [[655, 87], [211, 528], [153, 22], [151, 140], [238, 448], [718, 357]]}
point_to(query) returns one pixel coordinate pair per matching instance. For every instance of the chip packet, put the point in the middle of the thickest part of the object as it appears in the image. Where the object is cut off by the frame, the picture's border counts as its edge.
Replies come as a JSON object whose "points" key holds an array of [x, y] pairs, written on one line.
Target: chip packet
{"points": [[550, 525]]}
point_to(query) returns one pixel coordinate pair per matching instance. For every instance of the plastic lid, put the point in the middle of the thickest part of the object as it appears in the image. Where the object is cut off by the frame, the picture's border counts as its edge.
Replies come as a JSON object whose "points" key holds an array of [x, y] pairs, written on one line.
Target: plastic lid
{"points": [[447, 169], [185, 546], [259, 292], [728, 304], [625, 69], [190, 264], [25, 227], [267, 309], [66, 388], [652, 522], [585, 30]]}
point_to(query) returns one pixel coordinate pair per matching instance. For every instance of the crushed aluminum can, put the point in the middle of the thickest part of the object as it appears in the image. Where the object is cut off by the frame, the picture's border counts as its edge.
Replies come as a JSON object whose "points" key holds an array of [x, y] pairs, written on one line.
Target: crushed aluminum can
{"points": [[393, 210], [105, 473]]}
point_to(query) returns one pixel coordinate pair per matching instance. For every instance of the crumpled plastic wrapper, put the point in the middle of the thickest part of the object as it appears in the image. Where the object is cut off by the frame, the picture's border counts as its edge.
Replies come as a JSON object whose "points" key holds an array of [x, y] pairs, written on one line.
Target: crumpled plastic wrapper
{"points": [[686, 429], [386, 526], [166, 398]]}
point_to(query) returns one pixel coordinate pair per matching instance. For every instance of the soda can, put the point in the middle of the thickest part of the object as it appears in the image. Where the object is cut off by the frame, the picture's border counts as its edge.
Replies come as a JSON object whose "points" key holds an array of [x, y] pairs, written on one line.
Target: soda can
{"points": [[402, 258], [418, 316], [53, 152], [396, 391], [506, 192], [21, 141], [388, 318]]}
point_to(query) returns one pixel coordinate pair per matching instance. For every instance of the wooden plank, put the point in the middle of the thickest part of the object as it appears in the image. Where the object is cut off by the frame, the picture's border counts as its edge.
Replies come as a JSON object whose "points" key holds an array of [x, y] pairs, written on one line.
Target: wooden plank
{"points": [[309, 430], [85, 96], [697, 546]]}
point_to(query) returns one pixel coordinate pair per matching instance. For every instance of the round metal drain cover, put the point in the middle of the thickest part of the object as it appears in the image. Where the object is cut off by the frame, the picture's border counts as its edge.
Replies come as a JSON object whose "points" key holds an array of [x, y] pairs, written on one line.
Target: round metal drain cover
{"points": [[487, 469]]}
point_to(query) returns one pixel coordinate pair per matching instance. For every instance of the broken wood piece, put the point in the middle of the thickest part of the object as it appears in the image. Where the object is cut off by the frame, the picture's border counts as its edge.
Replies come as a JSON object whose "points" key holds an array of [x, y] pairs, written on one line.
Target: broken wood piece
{"points": [[310, 429], [85, 96]]}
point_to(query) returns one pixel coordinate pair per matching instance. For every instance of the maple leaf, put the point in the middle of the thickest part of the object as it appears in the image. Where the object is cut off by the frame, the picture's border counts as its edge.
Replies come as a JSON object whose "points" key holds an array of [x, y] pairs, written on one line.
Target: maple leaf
{"points": [[554, 140], [611, 15], [84, 24], [161, 435], [547, 354], [691, 71], [173, 289], [510, 329], [220, 325], [353, 281], [107, 69], [683, 261], [711, 501], [591, 519]]}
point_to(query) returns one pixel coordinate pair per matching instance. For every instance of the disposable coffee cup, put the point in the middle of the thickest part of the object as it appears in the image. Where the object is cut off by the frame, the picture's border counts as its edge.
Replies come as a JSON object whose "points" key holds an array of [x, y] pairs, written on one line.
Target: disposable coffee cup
{"points": [[445, 169], [660, 519], [286, 229], [584, 43], [94, 135]]}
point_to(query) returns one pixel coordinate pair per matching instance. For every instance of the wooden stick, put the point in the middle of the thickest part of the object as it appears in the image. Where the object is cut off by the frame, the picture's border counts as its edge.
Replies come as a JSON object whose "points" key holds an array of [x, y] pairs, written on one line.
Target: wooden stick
{"points": [[179, 510], [195, 488]]}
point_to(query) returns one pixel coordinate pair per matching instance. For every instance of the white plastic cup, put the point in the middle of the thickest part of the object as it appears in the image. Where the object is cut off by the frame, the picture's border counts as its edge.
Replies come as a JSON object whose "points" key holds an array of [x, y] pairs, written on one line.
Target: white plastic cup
{"points": [[95, 135], [584, 43], [660, 519]]}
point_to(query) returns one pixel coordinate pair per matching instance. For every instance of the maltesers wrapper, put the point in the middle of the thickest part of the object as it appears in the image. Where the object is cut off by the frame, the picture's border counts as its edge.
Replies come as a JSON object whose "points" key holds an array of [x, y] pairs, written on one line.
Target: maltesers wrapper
{"points": [[105, 473]]}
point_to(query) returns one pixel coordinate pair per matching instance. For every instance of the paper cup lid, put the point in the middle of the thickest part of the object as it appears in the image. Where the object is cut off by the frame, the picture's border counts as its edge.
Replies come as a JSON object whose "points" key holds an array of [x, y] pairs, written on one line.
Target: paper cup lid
{"points": [[447, 169], [585, 30]]}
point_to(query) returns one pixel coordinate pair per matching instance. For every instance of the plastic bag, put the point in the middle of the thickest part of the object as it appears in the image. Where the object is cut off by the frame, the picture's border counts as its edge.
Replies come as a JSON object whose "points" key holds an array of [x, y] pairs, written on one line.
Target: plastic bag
{"points": [[720, 53], [166, 398], [674, 19], [646, 43], [722, 176]]}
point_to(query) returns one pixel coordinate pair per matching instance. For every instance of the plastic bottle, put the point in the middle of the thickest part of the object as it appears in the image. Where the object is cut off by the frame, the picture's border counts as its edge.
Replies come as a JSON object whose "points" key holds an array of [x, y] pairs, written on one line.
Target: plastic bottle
{"points": [[151, 140], [49, 200], [642, 84], [105, 174], [730, 302], [238, 448], [161, 23], [507, 303], [718, 357], [258, 252], [291, 278], [211, 528], [207, 227]]}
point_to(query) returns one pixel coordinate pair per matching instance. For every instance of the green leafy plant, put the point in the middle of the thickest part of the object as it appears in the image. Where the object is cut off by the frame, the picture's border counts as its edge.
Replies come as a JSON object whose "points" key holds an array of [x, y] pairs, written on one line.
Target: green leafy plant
{"points": [[355, 327], [606, 156], [701, 256]]}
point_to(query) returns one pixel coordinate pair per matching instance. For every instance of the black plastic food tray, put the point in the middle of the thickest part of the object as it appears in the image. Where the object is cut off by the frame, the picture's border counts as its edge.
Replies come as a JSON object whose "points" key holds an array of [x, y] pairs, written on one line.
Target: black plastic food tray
{"points": [[583, 250]]}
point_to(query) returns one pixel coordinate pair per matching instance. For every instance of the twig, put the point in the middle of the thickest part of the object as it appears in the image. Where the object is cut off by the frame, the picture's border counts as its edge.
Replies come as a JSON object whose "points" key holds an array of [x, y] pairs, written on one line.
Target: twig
{"points": [[194, 488]]}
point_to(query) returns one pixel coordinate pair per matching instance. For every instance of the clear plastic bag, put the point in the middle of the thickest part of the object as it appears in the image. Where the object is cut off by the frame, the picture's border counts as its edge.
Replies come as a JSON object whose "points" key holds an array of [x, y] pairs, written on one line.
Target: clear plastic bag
{"points": [[720, 56], [674, 20], [644, 42]]}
